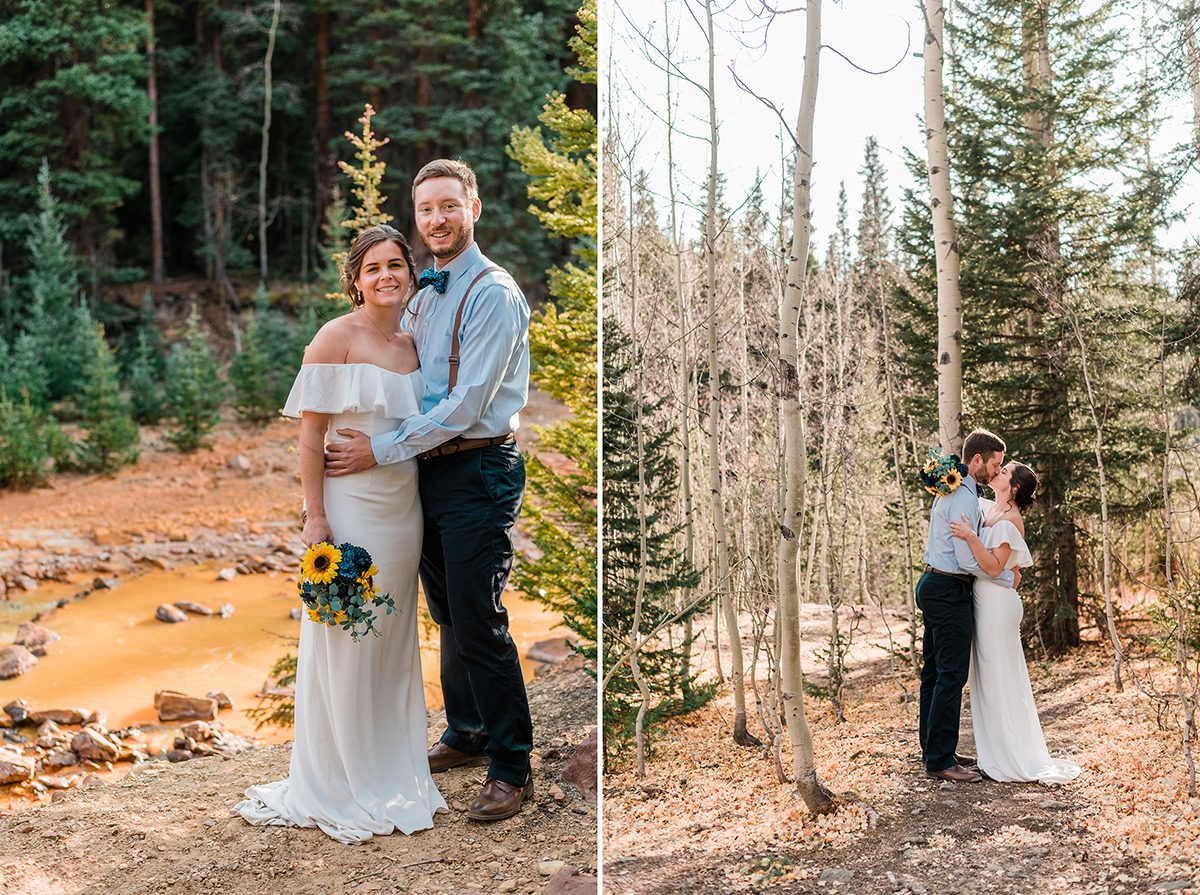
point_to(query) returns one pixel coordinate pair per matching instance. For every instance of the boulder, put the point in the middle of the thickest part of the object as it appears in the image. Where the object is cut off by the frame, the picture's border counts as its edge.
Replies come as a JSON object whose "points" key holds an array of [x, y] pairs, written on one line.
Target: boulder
{"points": [[92, 745], [97, 717], [226, 574], [15, 660], [51, 781], [25, 582], [294, 613], [18, 710], [197, 730], [223, 701], [60, 716], [551, 651], [168, 613], [569, 880], [194, 608], [34, 637], [174, 706], [105, 583], [226, 610], [176, 755], [241, 463], [15, 768], [580, 768], [63, 758]]}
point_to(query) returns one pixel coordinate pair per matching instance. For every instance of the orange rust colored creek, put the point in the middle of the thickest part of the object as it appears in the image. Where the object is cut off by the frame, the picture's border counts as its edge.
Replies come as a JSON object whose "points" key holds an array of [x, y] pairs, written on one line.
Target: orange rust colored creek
{"points": [[114, 655]]}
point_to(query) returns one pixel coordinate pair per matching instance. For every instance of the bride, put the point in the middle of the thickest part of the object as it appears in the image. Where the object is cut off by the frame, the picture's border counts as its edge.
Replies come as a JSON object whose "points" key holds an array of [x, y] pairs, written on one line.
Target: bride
{"points": [[1008, 734], [358, 765]]}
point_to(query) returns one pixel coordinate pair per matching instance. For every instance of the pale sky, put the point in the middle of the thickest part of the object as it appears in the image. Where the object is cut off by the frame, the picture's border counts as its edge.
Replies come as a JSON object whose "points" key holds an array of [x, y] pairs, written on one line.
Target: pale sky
{"points": [[851, 105]]}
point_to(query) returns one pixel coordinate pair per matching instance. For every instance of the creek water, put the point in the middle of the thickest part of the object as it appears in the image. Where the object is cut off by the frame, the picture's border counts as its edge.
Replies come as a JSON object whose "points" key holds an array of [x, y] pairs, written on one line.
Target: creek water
{"points": [[114, 655]]}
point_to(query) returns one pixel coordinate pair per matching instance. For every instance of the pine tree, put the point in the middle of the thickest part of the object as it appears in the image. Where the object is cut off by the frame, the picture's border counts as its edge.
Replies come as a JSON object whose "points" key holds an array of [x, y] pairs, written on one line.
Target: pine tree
{"points": [[563, 345], [147, 370], [1043, 146], [24, 453], [60, 329], [662, 663], [73, 75], [112, 439], [194, 393], [259, 370], [25, 373]]}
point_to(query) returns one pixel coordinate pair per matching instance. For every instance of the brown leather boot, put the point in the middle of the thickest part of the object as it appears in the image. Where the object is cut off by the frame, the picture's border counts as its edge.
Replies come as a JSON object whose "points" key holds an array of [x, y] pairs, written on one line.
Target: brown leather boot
{"points": [[498, 800], [956, 774], [443, 758]]}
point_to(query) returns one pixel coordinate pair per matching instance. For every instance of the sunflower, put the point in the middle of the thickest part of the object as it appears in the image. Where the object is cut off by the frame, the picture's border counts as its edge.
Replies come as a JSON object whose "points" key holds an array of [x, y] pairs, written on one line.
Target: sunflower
{"points": [[952, 479], [320, 563], [366, 578], [931, 465], [340, 616], [313, 615]]}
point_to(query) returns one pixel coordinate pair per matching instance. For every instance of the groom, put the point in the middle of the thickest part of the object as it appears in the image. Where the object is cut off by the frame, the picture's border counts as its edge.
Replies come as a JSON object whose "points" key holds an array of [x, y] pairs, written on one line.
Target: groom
{"points": [[944, 597], [471, 325]]}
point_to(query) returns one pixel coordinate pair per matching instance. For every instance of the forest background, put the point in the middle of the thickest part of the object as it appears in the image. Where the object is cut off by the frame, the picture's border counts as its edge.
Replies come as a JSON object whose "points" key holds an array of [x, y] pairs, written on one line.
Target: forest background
{"points": [[773, 359]]}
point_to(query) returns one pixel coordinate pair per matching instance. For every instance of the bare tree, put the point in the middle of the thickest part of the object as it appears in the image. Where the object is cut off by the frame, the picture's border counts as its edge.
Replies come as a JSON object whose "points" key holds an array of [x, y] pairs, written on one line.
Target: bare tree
{"points": [[266, 146], [156, 223], [791, 522]]}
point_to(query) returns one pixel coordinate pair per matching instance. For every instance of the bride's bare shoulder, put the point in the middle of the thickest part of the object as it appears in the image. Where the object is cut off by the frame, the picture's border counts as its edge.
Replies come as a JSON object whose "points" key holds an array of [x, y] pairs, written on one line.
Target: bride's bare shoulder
{"points": [[1014, 516], [331, 344]]}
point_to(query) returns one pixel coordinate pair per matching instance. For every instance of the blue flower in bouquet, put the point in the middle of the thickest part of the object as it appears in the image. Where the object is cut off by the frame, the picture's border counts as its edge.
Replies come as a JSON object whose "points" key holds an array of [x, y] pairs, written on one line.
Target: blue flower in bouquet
{"points": [[337, 585], [942, 473]]}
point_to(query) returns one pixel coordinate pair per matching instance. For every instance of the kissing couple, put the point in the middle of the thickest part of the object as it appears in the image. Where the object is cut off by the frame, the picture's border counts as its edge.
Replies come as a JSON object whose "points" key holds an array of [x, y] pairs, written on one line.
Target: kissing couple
{"points": [[407, 407], [972, 614]]}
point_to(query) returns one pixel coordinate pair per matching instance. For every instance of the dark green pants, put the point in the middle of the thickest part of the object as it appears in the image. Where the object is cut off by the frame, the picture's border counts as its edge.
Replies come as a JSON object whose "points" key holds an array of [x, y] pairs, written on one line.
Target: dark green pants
{"points": [[949, 629]]}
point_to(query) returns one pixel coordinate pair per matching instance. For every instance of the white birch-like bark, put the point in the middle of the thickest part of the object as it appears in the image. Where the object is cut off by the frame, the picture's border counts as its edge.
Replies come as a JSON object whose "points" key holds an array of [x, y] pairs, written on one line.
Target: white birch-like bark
{"points": [[266, 145], [716, 486], [1193, 67], [945, 234], [808, 786]]}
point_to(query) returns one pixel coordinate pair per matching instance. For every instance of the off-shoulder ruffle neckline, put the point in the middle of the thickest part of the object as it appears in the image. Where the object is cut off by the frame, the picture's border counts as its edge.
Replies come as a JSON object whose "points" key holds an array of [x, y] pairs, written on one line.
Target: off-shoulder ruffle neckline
{"points": [[364, 364]]}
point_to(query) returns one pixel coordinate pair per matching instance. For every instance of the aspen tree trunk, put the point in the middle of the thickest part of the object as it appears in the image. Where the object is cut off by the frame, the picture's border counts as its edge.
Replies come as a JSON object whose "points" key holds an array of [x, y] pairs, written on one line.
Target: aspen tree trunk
{"points": [[1105, 536], [791, 522], [156, 224], [266, 145], [685, 390], [716, 487], [945, 234], [324, 117]]}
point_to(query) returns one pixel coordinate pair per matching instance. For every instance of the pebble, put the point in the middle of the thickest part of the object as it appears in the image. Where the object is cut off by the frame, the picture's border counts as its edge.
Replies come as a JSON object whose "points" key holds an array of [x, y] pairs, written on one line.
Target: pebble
{"points": [[1171, 885], [835, 875], [549, 868], [226, 574], [509, 885]]}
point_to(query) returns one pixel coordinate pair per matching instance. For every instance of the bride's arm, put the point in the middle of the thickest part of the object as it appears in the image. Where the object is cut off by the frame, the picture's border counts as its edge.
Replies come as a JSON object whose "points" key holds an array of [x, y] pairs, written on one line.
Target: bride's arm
{"points": [[990, 561], [312, 477]]}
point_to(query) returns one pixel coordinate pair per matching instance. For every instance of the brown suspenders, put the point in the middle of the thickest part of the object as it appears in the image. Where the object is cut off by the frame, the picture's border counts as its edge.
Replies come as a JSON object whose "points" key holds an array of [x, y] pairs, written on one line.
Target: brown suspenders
{"points": [[454, 343]]}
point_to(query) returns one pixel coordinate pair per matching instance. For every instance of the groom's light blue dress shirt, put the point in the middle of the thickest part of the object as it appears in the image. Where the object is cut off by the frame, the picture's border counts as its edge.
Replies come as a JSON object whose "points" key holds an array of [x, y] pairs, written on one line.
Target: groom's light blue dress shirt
{"points": [[493, 371], [950, 554]]}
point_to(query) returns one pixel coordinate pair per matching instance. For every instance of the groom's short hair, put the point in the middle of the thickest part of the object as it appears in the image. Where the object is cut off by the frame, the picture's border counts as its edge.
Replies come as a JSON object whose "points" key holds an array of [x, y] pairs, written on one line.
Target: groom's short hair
{"points": [[981, 441], [449, 167]]}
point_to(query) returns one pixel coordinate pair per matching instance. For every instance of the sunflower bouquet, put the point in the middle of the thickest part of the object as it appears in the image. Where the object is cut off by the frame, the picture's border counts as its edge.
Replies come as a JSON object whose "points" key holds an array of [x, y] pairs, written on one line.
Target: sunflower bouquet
{"points": [[942, 473], [337, 585]]}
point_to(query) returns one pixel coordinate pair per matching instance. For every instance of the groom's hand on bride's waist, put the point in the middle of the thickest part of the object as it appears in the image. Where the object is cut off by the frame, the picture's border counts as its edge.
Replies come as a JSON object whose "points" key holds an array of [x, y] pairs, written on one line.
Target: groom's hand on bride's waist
{"points": [[349, 456]]}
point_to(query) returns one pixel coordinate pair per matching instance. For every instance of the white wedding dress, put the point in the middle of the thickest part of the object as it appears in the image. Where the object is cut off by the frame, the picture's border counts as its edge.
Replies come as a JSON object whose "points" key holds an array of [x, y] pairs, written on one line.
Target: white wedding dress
{"points": [[358, 765], [1008, 734]]}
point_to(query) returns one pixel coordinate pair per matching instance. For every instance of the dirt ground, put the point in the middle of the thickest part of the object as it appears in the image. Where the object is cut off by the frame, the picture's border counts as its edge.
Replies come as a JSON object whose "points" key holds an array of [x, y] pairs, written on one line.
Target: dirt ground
{"points": [[169, 828], [711, 817]]}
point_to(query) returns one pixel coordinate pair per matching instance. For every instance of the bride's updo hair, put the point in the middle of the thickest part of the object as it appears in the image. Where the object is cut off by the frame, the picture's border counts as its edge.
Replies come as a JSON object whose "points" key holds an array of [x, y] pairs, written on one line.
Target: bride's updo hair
{"points": [[1024, 484], [363, 243]]}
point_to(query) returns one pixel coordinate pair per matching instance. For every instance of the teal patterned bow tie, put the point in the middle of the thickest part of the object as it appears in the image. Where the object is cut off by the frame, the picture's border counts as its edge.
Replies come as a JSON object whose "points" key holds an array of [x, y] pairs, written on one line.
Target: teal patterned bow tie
{"points": [[438, 279]]}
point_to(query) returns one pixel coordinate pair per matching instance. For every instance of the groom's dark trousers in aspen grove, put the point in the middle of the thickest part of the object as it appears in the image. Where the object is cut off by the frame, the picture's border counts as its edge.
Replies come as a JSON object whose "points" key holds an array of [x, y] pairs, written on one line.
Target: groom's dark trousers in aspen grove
{"points": [[471, 501], [949, 611]]}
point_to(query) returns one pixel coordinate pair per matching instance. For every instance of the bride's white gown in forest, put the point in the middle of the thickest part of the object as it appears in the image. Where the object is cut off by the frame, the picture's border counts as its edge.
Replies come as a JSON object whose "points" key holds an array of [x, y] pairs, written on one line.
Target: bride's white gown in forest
{"points": [[1008, 733], [359, 765]]}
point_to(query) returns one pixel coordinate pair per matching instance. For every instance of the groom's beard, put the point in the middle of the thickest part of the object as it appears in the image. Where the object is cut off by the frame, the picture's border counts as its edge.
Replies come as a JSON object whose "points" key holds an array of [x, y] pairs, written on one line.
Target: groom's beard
{"points": [[462, 239]]}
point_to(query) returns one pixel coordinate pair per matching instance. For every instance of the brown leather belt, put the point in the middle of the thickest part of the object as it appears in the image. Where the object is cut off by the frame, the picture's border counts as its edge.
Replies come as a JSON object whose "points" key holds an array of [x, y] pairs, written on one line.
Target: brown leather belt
{"points": [[459, 444], [969, 579]]}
